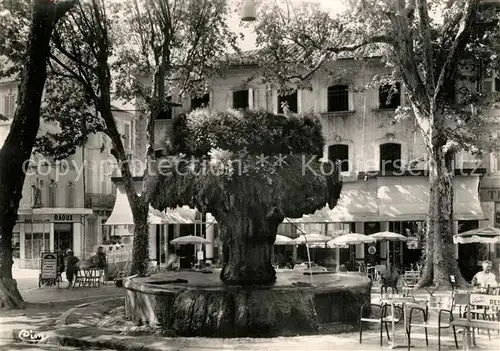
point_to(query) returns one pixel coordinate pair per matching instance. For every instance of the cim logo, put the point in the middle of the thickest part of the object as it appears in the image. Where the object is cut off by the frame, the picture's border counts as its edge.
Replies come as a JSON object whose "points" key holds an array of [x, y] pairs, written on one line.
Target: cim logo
{"points": [[63, 218]]}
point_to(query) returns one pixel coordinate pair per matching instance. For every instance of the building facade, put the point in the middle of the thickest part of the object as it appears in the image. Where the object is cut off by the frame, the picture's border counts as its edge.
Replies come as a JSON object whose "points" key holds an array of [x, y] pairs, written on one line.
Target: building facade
{"points": [[383, 167], [65, 203], [385, 187]]}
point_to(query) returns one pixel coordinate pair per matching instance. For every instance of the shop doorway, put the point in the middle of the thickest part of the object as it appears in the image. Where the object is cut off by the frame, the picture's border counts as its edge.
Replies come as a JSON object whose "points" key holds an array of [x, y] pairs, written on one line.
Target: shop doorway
{"points": [[63, 236], [468, 254]]}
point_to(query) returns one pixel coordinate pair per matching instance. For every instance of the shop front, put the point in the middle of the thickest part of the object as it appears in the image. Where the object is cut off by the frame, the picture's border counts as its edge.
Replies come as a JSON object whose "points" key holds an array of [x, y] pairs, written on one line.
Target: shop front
{"points": [[49, 229], [164, 226], [389, 203]]}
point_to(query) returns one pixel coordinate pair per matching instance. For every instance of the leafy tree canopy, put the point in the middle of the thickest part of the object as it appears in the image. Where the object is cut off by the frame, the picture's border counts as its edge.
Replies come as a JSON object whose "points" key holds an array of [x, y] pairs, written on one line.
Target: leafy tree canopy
{"points": [[191, 37], [229, 160], [437, 48]]}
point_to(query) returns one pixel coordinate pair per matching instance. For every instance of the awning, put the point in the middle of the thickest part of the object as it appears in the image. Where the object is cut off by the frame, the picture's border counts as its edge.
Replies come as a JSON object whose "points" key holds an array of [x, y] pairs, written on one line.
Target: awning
{"points": [[357, 203], [396, 199], [122, 213], [406, 198]]}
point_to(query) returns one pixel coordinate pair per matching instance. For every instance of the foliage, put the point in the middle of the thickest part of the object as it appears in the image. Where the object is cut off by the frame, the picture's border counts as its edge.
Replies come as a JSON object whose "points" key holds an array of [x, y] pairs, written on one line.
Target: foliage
{"points": [[190, 37], [70, 109], [243, 158], [314, 39], [256, 132]]}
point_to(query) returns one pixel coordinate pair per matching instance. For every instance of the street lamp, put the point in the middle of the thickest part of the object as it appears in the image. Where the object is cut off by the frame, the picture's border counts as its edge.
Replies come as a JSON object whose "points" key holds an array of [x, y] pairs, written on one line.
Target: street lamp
{"points": [[248, 11]]}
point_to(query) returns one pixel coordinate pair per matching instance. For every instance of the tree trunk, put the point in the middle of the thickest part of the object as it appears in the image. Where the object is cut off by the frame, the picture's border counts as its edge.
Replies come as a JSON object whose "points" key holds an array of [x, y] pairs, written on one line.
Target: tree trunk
{"points": [[140, 250], [17, 149], [249, 236], [440, 261]]}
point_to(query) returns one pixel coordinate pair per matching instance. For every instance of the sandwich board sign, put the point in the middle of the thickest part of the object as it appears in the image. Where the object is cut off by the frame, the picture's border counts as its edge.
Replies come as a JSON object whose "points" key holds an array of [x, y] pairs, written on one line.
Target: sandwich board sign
{"points": [[49, 265]]}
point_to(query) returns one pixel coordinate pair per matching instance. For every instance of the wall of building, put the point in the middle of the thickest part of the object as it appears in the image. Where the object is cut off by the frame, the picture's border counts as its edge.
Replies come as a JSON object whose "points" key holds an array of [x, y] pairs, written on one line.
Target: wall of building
{"points": [[364, 127], [67, 188]]}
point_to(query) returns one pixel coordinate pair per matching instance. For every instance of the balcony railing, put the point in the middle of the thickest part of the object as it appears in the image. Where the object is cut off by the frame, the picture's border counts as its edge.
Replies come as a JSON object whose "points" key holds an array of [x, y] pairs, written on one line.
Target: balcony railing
{"points": [[105, 201]]}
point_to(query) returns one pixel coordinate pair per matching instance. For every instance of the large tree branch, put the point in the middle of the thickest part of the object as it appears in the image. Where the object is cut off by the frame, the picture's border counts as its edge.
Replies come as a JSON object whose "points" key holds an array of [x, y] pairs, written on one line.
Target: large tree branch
{"points": [[63, 7], [462, 35], [329, 51], [425, 34]]}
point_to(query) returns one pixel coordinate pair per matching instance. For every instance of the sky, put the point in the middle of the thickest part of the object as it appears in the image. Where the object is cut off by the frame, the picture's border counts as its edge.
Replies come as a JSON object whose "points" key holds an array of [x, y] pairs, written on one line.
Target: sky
{"points": [[333, 6]]}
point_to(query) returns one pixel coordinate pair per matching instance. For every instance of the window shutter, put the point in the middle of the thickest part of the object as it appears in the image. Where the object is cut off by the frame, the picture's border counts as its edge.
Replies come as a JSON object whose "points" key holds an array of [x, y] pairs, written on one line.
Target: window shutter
{"points": [[6, 106], [299, 100], [487, 86], [250, 99], [275, 102]]}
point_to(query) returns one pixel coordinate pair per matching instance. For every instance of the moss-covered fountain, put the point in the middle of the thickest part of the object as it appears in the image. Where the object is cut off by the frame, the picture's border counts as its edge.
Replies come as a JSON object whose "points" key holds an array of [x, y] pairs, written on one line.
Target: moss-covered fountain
{"points": [[250, 170]]}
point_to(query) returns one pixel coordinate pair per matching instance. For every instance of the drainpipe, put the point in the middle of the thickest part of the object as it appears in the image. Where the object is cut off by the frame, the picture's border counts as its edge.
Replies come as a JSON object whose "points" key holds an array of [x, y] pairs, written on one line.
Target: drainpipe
{"points": [[84, 246]]}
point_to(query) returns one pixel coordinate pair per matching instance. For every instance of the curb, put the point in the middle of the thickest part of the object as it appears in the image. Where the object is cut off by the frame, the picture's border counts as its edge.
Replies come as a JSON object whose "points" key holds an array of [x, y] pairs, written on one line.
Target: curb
{"points": [[103, 344], [52, 336], [63, 318]]}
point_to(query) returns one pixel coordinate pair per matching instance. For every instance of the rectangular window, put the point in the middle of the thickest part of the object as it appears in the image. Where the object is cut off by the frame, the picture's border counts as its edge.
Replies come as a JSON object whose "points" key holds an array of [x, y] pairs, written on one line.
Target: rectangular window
{"points": [[35, 244], [200, 102], [166, 113], [338, 98], [491, 82], [9, 105], [289, 102], [390, 157], [390, 96], [240, 99], [339, 153]]}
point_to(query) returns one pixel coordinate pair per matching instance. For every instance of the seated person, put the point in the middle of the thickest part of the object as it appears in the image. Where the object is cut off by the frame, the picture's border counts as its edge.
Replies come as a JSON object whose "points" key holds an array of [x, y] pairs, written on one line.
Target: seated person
{"points": [[486, 278], [99, 260]]}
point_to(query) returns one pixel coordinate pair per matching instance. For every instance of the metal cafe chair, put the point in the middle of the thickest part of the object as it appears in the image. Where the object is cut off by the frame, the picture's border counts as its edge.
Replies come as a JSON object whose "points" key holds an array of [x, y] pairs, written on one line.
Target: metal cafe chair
{"points": [[380, 314]]}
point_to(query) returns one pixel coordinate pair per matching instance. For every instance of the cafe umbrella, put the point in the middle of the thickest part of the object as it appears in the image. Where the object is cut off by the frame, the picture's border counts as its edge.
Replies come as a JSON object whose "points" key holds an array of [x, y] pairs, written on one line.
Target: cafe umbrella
{"points": [[487, 235], [387, 237], [348, 239]]}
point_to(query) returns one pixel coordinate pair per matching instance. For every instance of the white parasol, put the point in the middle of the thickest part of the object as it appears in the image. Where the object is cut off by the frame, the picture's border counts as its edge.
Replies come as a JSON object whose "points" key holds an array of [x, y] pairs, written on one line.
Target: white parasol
{"points": [[351, 239], [312, 238], [388, 236], [488, 235], [190, 239], [284, 240]]}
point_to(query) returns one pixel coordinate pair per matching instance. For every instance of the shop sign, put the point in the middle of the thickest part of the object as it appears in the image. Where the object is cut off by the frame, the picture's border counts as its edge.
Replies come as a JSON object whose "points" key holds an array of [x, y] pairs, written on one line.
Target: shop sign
{"points": [[49, 265], [63, 218], [490, 195], [372, 250]]}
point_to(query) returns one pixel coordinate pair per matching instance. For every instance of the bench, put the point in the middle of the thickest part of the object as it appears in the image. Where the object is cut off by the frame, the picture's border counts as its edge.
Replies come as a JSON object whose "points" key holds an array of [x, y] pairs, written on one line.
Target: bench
{"points": [[475, 323], [482, 301]]}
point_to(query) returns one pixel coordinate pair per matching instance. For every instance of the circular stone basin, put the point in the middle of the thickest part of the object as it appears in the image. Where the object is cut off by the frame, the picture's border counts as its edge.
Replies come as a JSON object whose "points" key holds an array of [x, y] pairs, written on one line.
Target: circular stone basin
{"points": [[196, 304]]}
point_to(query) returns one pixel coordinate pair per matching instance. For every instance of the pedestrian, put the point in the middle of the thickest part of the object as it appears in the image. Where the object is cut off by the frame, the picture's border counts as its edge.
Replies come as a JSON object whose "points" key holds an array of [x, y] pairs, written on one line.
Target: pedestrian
{"points": [[486, 278], [99, 260], [71, 267]]}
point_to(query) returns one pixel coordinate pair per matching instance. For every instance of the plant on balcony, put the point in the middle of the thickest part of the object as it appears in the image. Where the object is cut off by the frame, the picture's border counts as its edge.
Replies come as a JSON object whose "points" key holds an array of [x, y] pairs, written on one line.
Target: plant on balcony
{"points": [[26, 44], [250, 170], [429, 56]]}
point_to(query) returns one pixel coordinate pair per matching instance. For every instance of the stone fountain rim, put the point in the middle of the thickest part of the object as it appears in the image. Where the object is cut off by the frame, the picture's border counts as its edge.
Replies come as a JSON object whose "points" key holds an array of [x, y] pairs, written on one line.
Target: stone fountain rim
{"points": [[130, 283]]}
